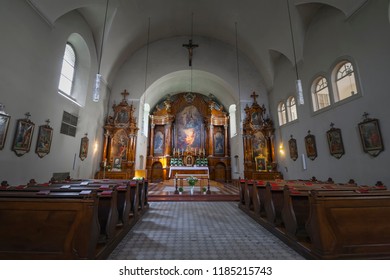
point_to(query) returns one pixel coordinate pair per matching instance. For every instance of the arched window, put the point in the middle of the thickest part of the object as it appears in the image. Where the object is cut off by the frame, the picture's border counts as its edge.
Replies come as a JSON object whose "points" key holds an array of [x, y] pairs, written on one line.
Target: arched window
{"points": [[320, 93], [282, 113], [292, 109], [345, 81], [232, 119], [68, 71]]}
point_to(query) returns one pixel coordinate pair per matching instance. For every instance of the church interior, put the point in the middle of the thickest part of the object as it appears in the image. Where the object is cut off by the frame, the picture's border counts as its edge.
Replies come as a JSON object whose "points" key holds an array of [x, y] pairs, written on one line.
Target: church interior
{"points": [[252, 102]]}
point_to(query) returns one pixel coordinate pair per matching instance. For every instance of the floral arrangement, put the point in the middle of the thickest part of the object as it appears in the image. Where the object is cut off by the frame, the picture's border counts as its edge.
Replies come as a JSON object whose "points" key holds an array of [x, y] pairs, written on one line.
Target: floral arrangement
{"points": [[192, 180]]}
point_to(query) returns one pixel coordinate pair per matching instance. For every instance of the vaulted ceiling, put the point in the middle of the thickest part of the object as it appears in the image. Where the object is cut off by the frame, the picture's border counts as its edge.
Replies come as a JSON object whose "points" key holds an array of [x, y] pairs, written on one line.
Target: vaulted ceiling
{"points": [[263, 30]]}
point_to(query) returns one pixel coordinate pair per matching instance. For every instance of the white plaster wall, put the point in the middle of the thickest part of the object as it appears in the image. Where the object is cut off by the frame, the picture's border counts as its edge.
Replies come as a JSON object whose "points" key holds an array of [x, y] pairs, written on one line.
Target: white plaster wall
{"points": [[365, 37], [30, 64]]}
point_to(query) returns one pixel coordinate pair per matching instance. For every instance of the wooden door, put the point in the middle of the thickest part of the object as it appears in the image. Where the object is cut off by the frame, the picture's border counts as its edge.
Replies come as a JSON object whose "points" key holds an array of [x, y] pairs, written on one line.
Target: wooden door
{"points": [[157, 172], [219, 172]]}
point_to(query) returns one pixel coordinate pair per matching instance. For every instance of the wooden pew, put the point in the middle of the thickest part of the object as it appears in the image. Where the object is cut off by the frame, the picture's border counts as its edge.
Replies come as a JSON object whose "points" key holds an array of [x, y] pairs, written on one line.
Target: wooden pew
{"points": [[107, 207], [295, 211], [134, 198], [248, 194], [241, 188], [259, 199], [349, 225], [273, 203], [44, 225]]}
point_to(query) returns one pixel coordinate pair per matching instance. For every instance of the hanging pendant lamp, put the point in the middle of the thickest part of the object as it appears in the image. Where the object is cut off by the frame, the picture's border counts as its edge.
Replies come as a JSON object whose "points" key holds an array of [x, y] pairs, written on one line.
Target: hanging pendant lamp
{"points": [[298, 84]]}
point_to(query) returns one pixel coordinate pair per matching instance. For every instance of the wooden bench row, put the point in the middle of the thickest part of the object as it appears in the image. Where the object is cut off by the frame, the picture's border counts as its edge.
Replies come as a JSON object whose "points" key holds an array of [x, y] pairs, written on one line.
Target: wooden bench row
{"points": [[322, 220], [70, 220]]}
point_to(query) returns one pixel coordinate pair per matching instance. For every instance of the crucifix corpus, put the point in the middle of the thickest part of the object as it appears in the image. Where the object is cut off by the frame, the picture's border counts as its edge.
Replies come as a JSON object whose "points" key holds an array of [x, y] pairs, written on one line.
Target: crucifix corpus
{"points": [[190, 48]]}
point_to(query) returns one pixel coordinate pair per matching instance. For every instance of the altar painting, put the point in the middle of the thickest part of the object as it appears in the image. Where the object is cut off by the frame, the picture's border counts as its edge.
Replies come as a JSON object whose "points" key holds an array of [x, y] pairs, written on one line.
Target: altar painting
{"points": [[259, 145], [119, 145], [219, 143], [189, 128], [158, 142]]}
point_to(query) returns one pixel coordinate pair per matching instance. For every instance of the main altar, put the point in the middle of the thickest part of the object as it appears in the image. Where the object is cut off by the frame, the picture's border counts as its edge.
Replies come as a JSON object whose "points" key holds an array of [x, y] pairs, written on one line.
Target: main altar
{"points": [[189, 132]]}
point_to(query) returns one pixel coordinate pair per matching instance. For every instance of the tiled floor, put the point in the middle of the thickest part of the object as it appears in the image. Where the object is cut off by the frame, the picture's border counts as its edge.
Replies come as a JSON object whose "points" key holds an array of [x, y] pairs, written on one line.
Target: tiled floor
{"points": [[200, 231]]}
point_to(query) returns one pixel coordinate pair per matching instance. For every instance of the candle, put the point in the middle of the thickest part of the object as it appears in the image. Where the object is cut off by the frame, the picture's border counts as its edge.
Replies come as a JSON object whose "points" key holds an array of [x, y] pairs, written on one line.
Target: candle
{"points": [[105, 162]]}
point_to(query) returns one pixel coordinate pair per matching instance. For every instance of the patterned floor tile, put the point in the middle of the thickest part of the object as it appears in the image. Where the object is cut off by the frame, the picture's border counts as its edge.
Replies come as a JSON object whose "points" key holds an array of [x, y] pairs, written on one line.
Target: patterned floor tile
{"points": [[199, 230]]}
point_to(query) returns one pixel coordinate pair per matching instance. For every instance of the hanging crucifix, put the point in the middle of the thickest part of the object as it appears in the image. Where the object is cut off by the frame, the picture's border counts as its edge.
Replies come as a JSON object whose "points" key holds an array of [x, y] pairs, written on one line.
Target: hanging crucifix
{"points": [[190, 48], [254, 95]]}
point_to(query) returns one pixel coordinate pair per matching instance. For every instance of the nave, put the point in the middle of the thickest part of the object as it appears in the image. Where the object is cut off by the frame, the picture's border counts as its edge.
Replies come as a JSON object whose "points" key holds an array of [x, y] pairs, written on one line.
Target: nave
{"points": [[200, 231]]}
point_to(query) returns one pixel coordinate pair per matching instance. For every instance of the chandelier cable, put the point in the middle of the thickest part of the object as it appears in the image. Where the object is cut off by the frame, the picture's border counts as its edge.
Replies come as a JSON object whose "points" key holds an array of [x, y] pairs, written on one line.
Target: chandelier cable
{"points": [[147, 57], [292, 39], [103, 35]]}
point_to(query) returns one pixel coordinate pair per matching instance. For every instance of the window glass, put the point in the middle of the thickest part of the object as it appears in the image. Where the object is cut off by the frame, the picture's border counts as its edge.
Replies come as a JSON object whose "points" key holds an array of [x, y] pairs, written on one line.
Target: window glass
{"points": [[282, 113], [345, 81], [67, 71], [320, 94], [292, 109]]}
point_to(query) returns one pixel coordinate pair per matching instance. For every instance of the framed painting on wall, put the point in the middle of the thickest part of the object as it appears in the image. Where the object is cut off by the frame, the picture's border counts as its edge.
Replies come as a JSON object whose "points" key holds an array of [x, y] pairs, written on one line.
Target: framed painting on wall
{"points": [[45, 134], [292, 145], [4, 123], [371, 136], [23, 135], [310, 144], [84, 147], [335, 142]]}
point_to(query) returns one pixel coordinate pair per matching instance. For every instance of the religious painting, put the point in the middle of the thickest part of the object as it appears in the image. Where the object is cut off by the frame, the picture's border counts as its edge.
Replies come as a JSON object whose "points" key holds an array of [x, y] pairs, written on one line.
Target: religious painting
{"points": [[261, 164], [189, 128], [4, 123], [256, 118], [189, 160], [122, 116], [119, 145], [292, 145], [117, 164], [259, 145], [310, 144], [371, 137], [219, 143], [335, 142], [84, 147], [23, 135], [45, 134], [158, 143]]}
